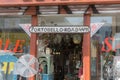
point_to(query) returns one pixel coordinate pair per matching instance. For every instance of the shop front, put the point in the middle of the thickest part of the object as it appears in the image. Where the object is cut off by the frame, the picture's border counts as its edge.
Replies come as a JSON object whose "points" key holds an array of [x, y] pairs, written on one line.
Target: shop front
{"points": [[62, 55]]}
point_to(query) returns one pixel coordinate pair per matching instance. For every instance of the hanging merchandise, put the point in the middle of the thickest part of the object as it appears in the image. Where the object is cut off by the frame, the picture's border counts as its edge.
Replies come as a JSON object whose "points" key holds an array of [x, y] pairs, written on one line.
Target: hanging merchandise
{"points": [[108, 66], [57, 39], [77, 39], [41, 45]]}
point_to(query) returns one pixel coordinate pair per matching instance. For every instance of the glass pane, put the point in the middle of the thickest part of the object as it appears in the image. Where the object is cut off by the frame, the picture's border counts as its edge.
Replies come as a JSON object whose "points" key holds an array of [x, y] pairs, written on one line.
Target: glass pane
{"points": [[61, 20], [105, 47], [11, 31], [13, 39]]}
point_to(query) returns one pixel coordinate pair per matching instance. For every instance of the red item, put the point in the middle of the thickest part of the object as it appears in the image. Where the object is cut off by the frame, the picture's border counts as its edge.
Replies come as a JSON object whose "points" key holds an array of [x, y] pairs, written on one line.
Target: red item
{"points": [[40, 70], [80, 73]]}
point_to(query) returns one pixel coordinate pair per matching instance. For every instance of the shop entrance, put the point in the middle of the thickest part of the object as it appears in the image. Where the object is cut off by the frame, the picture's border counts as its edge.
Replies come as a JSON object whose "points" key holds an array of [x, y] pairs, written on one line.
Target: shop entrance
{"points": [[64, 54]]}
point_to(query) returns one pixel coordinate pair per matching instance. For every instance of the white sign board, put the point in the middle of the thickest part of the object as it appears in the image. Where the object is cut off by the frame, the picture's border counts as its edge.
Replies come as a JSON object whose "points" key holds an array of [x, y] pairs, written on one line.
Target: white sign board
{"points": [[94, 28], [60, 29]]}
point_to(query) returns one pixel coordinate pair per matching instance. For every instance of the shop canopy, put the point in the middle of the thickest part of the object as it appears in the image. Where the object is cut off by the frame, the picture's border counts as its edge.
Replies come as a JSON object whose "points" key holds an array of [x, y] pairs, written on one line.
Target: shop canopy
{"points": [[72, 9]]}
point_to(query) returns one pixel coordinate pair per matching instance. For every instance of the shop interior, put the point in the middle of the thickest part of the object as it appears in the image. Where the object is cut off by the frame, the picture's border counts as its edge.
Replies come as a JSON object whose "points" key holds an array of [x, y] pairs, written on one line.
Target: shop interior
{"points": [[63, 53]]}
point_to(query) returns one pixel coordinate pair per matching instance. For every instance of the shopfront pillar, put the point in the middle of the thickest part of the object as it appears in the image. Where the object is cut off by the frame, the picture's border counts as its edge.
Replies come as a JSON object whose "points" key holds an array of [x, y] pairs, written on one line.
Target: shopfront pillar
{"points": [[33, 39], [86, 48]]}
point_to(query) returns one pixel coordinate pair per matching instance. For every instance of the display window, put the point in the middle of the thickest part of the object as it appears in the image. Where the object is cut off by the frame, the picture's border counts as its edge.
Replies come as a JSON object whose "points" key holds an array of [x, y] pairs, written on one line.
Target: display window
{"points": [[14, 42], [60, 55], [12, 36], [105, 48]]}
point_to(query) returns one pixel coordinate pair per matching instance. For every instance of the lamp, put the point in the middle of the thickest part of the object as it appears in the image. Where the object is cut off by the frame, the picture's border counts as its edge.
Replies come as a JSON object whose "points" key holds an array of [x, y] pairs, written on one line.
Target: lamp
{"points": [[77, 38]]}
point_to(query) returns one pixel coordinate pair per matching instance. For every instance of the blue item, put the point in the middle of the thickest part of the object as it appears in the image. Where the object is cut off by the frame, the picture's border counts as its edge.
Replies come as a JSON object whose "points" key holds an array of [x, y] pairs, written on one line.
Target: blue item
{"points": [[7, 61], [47, 77]]}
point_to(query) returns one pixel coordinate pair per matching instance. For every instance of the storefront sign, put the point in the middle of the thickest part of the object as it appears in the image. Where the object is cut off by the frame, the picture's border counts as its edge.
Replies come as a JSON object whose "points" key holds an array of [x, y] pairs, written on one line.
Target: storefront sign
{"points": [[94, 28], [18, 47], [107, 46], [60, 29]]}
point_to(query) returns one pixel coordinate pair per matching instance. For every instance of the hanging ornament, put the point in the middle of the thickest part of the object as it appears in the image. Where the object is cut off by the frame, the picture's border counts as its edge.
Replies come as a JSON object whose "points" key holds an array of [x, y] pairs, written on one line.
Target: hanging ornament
{"points": [[57, 39], [48, 50], [77, 38]]}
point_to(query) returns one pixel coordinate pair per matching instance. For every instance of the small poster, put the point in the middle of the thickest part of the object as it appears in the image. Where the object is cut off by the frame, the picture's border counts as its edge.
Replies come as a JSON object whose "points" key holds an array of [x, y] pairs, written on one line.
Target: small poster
{"points": [[7, 66]]}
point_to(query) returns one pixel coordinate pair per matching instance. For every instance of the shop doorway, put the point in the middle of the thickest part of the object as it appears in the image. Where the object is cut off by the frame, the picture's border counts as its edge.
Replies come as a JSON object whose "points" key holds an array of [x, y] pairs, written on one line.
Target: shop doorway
{"points": [[63, 53]]}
